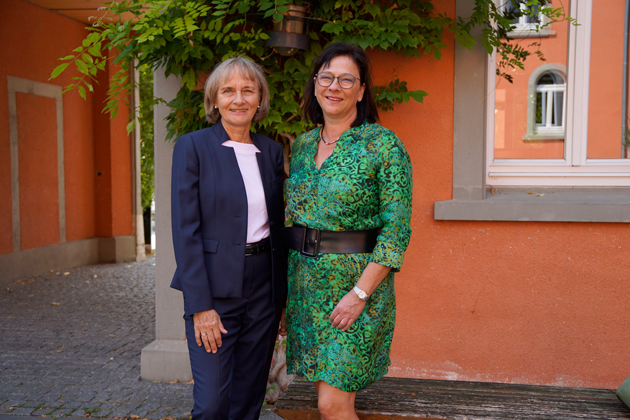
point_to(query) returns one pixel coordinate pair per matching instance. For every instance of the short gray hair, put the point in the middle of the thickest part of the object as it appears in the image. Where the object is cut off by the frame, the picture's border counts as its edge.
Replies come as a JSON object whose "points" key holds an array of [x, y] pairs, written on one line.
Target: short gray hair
{"points": [[220, 75]]}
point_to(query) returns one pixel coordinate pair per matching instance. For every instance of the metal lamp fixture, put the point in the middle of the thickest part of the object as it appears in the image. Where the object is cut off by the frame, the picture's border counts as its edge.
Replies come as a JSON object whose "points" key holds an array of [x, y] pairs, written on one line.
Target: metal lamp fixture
{"points": [[291, 33]]}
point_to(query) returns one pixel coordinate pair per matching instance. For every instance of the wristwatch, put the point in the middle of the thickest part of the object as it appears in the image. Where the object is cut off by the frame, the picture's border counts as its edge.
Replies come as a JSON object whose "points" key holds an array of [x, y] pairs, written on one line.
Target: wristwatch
{"points": [[361, 294]]}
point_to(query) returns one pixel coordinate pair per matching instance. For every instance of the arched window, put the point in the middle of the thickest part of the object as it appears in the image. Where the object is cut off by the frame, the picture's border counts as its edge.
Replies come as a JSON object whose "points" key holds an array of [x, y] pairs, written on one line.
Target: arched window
{"points": [[550, 90], [547, 103]]}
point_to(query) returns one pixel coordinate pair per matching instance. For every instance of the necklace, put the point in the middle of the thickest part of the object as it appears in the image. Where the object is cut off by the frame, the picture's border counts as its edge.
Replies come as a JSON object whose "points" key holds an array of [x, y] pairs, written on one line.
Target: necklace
{"points": [[321, 137]]}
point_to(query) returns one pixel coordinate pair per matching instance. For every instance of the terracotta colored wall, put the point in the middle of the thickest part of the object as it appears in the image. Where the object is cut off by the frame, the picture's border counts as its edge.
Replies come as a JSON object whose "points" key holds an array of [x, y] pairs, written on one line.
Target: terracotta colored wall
{"points": [[39, 182], [122, 223], [605, 93], [519, 302], [30, 49], [102, 160], [113, 160], [92, 142]]}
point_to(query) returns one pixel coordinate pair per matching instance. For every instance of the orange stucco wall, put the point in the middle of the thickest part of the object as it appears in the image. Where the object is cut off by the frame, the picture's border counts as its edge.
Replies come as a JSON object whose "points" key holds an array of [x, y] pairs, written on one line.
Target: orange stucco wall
{"points": [[605, 93], [113, 161], [518, 302], [39, 182], [30, 49]]}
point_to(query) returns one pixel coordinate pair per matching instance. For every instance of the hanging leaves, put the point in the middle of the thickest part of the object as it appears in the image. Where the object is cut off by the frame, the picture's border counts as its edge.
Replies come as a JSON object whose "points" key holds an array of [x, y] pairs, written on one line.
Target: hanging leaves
{"points": [[188, 38]]}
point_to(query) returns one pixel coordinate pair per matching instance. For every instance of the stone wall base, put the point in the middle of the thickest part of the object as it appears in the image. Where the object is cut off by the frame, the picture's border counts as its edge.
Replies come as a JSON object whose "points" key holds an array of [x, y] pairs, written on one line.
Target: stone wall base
{"points": [[117, 249], [165, 361], [68, 254]]}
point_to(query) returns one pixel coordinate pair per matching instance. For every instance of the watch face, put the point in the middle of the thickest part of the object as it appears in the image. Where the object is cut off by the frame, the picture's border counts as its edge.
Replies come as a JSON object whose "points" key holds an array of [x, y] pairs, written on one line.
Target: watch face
{"points": [[360, 293]]}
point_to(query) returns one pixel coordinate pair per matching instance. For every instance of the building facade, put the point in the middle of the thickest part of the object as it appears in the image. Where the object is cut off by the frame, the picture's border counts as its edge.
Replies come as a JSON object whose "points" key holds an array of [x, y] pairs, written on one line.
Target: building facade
{"points": [[67, 171]]}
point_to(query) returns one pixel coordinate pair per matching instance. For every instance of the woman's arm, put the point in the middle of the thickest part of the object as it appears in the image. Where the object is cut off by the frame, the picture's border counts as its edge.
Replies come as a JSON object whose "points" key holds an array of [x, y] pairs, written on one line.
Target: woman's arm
{"points": [[187, 244], [186, 227], [350, 306], [395, 185]]}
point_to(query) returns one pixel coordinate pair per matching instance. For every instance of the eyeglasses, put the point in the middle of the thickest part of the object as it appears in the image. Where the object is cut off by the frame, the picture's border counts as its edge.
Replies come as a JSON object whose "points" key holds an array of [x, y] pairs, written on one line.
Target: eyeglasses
{"points": [[326, 79]]}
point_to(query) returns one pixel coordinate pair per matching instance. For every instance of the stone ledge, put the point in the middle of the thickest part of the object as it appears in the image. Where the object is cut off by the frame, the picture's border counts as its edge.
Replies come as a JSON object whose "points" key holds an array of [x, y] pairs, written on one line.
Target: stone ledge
{"points": [[542, 205], [403, 398], [165, 361]]}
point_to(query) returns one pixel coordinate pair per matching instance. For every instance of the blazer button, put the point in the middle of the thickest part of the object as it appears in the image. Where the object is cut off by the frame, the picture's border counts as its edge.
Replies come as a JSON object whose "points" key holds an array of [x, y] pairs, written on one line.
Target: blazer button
{"points": [[271, 223]]}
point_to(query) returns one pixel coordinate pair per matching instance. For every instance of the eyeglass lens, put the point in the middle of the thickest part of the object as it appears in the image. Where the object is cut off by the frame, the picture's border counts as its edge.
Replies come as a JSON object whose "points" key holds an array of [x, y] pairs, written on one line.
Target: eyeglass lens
{"points": [[326, 79]]}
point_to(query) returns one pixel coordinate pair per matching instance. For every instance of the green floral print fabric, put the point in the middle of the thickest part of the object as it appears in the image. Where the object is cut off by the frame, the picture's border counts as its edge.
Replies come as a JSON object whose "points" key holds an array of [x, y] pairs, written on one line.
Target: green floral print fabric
{"points": [[365, 184]]}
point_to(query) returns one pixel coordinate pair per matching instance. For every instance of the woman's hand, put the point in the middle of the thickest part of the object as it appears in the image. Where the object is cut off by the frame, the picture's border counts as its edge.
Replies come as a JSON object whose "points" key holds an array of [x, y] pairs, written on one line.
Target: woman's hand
{"points": [[347, 310], [208, 329], [282, 331]]}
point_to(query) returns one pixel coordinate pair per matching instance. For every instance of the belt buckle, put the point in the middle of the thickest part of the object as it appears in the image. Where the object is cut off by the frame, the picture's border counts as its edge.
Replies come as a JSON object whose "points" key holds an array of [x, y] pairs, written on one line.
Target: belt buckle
{"points": [[317, 240], [253, 250]]}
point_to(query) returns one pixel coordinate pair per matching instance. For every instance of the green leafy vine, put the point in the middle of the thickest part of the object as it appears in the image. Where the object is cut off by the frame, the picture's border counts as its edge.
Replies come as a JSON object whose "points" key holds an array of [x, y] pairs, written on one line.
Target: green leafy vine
{"points": [[188, 38]]}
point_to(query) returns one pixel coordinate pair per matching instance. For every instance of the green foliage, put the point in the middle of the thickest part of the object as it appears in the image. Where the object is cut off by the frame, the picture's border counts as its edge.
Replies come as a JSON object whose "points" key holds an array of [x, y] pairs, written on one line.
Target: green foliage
{"points": [[188, 38], [496, 24], [145, 116]]}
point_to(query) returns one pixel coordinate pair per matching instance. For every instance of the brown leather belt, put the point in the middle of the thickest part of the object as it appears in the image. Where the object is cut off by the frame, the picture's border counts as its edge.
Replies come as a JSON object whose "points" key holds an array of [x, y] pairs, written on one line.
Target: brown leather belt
{"points": [[311, 242]]}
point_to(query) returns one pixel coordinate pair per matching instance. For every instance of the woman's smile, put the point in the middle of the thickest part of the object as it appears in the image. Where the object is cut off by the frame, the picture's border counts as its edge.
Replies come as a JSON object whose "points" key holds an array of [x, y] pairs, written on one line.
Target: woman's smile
{"points": [[238, 100], [337, 102]]}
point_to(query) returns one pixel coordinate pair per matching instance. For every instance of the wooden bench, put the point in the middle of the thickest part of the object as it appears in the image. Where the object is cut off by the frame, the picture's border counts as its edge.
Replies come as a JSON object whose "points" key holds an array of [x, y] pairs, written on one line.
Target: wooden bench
{"points": [[398, 398]]}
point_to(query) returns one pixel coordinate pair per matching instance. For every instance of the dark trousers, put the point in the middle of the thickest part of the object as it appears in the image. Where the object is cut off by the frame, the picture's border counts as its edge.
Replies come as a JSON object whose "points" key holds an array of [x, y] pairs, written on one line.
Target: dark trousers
{"points": [[231, 383]]}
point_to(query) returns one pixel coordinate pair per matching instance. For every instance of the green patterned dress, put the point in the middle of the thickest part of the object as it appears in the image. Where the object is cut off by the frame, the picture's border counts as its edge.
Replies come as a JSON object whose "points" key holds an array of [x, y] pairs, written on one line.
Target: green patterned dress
{"points": [[365, 184]]}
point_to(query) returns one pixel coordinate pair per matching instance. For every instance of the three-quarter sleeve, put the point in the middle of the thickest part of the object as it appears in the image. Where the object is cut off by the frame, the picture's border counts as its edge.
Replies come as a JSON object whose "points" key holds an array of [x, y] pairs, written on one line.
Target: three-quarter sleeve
{"points": [[186, 224], [395, 196]]}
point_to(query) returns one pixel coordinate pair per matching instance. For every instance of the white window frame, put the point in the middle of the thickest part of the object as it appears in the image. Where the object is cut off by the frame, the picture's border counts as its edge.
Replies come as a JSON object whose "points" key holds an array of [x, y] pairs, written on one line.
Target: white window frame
{"points": [[534, 130], [549, 106], [524, 29], [575, 169]]}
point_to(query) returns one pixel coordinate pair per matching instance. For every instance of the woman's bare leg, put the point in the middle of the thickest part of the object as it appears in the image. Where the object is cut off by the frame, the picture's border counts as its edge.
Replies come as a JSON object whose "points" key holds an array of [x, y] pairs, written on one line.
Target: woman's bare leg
{"points": [[333, 403]]}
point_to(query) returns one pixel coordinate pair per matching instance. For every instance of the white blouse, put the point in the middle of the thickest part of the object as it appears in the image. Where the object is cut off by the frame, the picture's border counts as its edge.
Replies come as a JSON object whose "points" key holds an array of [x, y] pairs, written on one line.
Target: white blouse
{"points": [[257, 219]]}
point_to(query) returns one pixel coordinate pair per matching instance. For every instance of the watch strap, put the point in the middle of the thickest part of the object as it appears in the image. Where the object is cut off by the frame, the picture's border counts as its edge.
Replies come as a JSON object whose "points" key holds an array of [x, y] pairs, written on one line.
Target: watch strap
{"points": [[362, 294]]}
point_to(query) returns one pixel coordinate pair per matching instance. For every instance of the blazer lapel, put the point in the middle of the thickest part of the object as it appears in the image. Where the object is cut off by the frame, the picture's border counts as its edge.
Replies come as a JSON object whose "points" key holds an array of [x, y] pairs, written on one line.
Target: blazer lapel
{"points": [[227, 167]]}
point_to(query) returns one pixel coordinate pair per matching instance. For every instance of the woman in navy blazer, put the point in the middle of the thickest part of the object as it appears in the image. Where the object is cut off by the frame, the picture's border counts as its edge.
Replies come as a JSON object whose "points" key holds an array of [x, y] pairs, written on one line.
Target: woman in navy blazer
{"points": [[227, 212]]}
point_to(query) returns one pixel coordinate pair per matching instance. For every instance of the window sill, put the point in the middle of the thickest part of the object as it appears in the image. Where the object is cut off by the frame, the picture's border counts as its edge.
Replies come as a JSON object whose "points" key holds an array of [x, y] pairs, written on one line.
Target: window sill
{"points": [[530, 33], [610, 205], [543, 136]]}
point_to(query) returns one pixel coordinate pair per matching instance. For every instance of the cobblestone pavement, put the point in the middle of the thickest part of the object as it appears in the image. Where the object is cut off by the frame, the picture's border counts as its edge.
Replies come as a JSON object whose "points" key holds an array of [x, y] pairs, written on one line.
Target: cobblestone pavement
{"points": [[70, 343]]}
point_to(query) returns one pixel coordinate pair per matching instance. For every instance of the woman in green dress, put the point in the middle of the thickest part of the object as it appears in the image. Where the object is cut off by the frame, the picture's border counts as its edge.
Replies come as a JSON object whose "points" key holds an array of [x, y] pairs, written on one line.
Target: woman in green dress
{"points": [[349, 208]]}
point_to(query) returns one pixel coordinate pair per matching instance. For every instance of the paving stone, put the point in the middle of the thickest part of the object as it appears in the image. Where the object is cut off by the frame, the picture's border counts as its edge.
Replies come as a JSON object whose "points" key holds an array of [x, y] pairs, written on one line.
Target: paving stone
{"points": [[124, 410], [90, 410], [44, 411], [158, 414], [105, 409], [13, 402], [181, 412], [77, 411], [23, 411], [85, 352]]}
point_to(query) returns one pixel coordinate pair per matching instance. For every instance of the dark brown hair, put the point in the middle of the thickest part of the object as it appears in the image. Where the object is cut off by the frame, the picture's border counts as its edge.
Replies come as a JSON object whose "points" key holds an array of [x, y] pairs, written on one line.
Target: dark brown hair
{"points": [[366, 109]]}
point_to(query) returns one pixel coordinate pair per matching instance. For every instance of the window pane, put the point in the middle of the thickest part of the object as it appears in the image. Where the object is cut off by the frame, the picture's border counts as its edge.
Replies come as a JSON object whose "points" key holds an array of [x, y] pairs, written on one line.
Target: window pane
{"points": [[525, 126], [605, 102]]}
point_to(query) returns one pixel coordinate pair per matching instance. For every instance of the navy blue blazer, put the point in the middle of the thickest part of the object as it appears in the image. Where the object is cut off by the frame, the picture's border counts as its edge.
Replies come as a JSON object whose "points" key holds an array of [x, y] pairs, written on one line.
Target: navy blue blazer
{"points": [[209, 217]]}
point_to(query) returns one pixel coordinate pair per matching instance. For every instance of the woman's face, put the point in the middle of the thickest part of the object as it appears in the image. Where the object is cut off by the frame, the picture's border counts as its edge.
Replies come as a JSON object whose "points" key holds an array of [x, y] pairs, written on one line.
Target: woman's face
{"points": [[339, 103], [238, 99]]}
